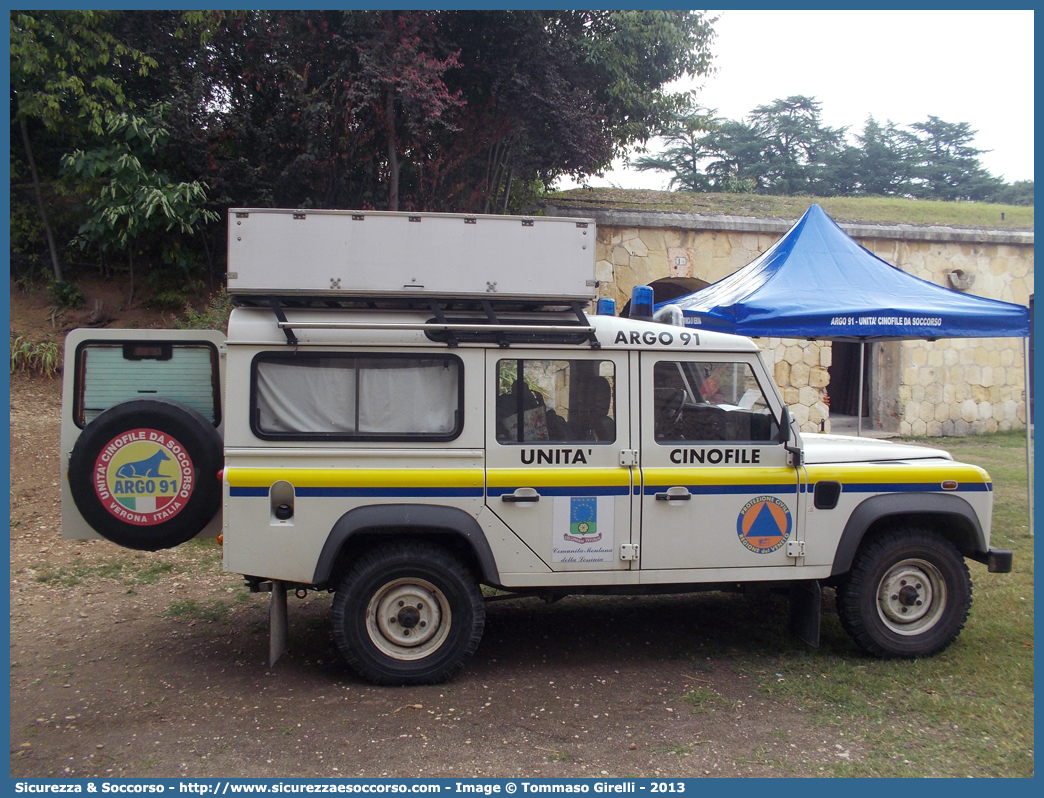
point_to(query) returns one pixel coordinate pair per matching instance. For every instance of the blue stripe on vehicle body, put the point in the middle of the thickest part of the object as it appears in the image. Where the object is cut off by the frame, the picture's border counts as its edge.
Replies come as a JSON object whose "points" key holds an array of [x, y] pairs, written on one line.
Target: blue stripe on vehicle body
{"points": [[248, 492], [847, 487], [565, 490], [709, 490], [609, 490]]}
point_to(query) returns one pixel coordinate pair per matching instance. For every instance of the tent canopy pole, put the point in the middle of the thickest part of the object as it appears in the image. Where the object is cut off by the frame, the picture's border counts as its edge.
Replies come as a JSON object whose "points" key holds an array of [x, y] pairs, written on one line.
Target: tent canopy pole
{"points": [[859, 410], [1029, 435]]}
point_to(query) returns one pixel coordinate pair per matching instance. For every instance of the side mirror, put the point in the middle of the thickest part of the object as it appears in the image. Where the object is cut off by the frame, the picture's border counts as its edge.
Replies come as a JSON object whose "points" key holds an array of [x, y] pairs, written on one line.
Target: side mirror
{"points": [[784, 425], [785, 437]]}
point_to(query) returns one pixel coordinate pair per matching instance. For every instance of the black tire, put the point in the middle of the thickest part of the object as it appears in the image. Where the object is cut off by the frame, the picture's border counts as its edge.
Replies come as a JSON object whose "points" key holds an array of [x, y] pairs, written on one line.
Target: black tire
{"points": [[908, 594], [438, 619], [143, 474]]}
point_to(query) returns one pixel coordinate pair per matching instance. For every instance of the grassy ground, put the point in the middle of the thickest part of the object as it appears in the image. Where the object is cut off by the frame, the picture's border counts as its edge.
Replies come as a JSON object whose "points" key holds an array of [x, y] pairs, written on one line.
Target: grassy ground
{"points": [[881, 210], [966, 712]]}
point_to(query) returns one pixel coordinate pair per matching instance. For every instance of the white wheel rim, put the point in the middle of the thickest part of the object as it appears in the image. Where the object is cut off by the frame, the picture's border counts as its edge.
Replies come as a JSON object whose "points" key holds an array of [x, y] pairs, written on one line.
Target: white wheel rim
{"points": [[408, 619], [911, 597]]}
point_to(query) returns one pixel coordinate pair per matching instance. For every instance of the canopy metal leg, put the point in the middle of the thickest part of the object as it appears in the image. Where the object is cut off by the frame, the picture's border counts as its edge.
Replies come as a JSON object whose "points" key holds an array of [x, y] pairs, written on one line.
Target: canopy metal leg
{"points": [[859, 411], [1029, 435]]}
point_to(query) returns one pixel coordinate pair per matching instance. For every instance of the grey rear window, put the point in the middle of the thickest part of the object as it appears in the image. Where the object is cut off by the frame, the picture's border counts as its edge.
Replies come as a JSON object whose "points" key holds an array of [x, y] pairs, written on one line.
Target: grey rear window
{"points": [[110, 373]]}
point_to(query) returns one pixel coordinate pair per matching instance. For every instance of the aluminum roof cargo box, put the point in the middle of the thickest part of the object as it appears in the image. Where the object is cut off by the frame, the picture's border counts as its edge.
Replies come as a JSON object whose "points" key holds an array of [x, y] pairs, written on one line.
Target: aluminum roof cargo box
{"points": [[330, 253]]}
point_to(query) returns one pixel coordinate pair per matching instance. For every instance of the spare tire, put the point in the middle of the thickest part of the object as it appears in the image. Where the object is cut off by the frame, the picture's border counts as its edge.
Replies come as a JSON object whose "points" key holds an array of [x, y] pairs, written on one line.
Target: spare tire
{"points": [[143, 474]]}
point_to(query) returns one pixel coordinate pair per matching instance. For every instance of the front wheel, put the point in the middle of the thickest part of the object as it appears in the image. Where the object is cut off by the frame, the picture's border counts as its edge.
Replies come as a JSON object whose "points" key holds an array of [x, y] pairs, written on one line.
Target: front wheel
{"points": [[408, 614], [908, 595]]}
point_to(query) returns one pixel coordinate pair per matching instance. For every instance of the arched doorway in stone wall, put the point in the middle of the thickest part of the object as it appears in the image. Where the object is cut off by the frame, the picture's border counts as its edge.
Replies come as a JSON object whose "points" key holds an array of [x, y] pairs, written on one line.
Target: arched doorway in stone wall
{"points": [[668, 288]]}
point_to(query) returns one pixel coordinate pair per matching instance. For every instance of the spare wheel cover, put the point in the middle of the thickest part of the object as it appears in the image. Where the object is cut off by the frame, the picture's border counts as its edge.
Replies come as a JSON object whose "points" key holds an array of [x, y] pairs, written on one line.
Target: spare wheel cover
{"points": [[143, 474]]}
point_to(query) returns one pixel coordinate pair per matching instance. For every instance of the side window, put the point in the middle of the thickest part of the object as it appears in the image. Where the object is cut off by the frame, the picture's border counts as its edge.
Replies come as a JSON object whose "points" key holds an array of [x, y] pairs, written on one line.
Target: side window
{"points": [[558, 401], [348, 397], [710, 401]]}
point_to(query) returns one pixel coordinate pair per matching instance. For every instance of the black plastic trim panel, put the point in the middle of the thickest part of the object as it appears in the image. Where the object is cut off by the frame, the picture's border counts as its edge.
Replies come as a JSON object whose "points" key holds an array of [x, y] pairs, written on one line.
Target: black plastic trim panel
{"points": [[926, 508], [418, 518]]}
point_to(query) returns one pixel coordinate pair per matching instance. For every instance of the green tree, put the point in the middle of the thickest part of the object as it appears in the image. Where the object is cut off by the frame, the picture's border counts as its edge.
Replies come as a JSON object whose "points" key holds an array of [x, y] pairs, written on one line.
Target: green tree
{"points": [[799, 154], [261, 110], [290, 108], [499, 100], [946, 165], [882, 161], [783, 148], [1018, 193], [685, 151], [737, 154], [67, 68], [401, 80], [132, 200]]}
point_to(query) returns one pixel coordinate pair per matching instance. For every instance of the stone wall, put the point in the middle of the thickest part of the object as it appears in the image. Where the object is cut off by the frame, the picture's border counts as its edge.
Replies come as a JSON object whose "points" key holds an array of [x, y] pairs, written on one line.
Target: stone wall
{"points": [[948, 387]]}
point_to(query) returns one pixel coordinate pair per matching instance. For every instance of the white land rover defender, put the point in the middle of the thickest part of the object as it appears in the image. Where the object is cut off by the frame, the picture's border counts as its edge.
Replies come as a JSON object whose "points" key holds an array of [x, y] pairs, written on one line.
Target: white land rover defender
{"points": [[407, 407]]}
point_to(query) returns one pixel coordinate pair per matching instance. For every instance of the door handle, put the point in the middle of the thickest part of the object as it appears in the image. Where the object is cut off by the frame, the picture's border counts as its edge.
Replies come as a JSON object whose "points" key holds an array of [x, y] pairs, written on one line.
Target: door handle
{"points": [[521, 496], [674, 495]]}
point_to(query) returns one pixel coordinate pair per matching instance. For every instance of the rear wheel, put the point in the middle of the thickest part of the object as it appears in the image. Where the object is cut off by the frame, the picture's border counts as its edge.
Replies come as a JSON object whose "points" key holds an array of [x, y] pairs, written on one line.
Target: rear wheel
{"points": [[408, 614], [908, 595]]}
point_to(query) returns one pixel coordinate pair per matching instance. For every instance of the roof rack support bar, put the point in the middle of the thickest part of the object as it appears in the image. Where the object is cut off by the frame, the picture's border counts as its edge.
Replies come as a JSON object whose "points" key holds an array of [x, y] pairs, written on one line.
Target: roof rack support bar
{"points": [[425, 326], [579, 311], [502, 340], [291, 338], [440, 317]]}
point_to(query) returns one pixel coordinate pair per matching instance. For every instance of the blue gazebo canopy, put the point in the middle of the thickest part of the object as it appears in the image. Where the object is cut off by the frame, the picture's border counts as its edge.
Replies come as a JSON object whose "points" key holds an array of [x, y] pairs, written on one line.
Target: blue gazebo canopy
{"points": [[817, 282]]}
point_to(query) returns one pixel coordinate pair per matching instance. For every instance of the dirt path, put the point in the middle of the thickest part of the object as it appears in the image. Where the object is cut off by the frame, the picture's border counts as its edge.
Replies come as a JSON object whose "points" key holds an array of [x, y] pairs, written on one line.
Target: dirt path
{"points": [[136, 664]]}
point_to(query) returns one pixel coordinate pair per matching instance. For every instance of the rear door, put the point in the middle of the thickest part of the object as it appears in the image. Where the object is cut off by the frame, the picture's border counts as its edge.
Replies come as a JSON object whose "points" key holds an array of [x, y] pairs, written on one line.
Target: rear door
{"points": [[556, 424], [717, 490], [103, 368]]}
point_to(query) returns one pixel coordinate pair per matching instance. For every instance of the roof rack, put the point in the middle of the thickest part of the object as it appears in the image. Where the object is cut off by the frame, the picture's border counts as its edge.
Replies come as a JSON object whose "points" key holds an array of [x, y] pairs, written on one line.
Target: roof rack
{"points": [[504, 322]]}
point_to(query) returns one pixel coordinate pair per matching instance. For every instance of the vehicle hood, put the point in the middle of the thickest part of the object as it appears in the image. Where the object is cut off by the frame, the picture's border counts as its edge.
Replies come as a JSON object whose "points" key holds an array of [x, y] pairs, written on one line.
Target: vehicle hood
{"points": [[820, 448]]}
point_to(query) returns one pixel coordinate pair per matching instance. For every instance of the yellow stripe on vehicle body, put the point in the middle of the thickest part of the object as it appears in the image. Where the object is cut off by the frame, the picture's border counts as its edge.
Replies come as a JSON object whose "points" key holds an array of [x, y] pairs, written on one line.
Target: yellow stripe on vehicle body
{"points": [[898, 474], [557, 477], [356, 477], [678, 475]]}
